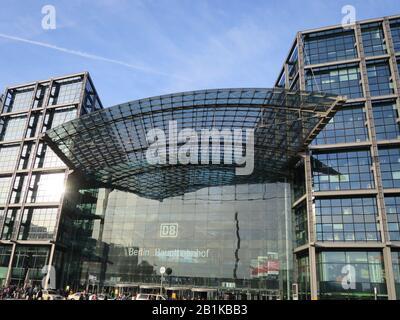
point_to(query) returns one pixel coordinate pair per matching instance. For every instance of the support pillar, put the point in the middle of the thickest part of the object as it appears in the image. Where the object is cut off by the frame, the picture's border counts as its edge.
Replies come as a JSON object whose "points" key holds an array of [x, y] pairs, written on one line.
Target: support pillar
{"points": [[9, 271]]}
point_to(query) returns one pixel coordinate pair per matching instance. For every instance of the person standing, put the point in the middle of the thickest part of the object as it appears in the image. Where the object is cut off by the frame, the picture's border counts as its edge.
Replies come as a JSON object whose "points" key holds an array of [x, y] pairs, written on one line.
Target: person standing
{"points": [[39, 294]]}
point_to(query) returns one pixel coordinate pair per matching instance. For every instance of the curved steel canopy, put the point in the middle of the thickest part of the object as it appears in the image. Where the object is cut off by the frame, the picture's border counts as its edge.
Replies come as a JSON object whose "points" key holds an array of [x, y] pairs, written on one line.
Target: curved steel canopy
{"points": [[109, 145]]}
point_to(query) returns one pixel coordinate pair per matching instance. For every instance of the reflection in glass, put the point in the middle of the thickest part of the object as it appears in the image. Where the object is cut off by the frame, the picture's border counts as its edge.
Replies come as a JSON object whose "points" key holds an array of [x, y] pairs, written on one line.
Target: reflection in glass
{"points": [[351, 274], [46, 187], [235, 234]]}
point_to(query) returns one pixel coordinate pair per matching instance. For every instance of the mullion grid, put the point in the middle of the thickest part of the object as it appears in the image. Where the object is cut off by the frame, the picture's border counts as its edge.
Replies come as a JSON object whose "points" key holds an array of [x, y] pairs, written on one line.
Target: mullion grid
{"points": [[71, 147], [68, 91], [392, 206], [389, 159], [62, 115], [330, 46], [32, 218], [379, 78], [348, 125], [300, 224], [5, 184], [373, 39], [21, 99], [341, 79], [385, 120], [369, 269], [347, 219], [13, 128], [8, 157], [215, 107], [396, 266], [395, 31], [350, 171], [110, 151]]}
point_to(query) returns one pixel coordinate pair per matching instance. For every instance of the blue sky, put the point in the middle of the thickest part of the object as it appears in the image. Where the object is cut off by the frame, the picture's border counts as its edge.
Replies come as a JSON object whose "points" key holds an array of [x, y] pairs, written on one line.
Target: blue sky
{"points": [[167, 45]]}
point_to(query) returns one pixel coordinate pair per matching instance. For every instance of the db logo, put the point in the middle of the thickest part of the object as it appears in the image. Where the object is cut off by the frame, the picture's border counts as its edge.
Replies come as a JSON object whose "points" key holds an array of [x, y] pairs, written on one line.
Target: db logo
{"points": [[169, 230]]}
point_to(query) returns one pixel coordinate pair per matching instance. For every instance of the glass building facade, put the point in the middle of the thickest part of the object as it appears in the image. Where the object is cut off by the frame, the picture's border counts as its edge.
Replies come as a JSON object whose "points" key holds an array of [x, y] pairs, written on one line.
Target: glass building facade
{"points": [[219, 240], [349, 206], [219, 233], [319, 220]]}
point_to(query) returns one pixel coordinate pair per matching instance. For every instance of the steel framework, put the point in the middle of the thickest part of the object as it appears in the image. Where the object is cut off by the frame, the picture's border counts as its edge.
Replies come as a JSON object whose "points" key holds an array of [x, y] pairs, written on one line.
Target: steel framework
{"points": [[110, 146]]}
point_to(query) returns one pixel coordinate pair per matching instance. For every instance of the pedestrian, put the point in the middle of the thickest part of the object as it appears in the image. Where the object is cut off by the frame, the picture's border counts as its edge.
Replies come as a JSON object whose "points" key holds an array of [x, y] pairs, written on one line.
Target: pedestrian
{"points": [[39, 294], [30, 293]]}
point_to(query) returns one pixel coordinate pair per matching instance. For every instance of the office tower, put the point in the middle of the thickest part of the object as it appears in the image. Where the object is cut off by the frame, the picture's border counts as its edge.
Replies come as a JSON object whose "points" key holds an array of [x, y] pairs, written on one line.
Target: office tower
{"points": [[32, 178]]}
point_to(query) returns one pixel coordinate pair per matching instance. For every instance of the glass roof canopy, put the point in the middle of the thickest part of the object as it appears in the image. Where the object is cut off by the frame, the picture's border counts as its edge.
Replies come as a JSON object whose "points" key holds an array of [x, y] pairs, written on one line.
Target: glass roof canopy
{"points": [[109, 146]]}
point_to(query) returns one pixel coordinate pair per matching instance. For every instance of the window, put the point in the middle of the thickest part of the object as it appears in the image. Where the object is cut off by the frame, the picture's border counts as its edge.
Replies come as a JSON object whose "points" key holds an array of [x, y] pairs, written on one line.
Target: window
{"points": [[4, 188], [56, 117], [19, 100], [298, 181], [46, 158], [8, 157], [38, 224], [295, 85], [5, 254], [293, 63], [2, 214], [26, 156], [35, 122], [303, 270], [342, 171], [32, 257], [379, 79], [390, 167], [46, 188], [19, 188], [385, 119], [301, 228], [41, 96], [373, 39], [395, 30], [66, 91], [282, 81], [91, 102], [396, 270], [392, 205], [368, 274], [343, 80], [332, 45], [10, 222], [13, 128], [347, 219], [348, 125]]}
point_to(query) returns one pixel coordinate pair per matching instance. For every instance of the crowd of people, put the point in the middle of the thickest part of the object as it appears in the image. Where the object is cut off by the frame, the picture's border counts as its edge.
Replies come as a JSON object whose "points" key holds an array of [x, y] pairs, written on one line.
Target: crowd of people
{"points": [[26, 293], [14, 292]]}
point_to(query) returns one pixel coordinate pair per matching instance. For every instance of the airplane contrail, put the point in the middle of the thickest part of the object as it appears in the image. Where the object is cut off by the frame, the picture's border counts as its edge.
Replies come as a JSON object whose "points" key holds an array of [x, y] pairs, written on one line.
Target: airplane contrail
{"points": [[88, 55]]}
